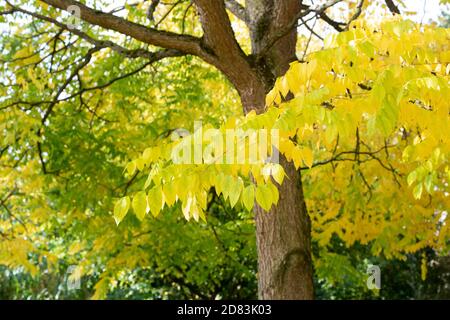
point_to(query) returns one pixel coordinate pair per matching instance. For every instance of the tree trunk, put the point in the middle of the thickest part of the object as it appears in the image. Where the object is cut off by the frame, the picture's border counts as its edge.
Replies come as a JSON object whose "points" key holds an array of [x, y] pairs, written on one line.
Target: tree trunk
{"points": [[283, 240], [283, 235], [284, 246]]}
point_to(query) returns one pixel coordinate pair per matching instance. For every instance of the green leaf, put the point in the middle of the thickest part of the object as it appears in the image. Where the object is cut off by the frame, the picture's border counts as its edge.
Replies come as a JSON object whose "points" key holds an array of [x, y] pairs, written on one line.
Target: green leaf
{"points": [[278, 173], [149, 180], [227, 186], [155, 200], [140, 205], [140, 164], [412, 177], [235, 191], [429, 183], [121, 209], [248, 197], [169, 193], [418, 191], [264, 197], [131, 168], [147, 155]]}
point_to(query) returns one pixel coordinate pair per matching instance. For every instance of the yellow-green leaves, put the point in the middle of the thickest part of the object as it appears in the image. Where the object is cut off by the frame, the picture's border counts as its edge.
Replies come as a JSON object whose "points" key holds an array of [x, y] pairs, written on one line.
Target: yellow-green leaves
{"points": [[131, 168], [275, 170], [365, 80], [369, 116], [307, 156], [190, 209], [248, 197], [412, 177], [267, 195], [121, 209], [234, 191], [140, 205], [231, 187], [140, 164], [418, 191], [170, 194], [26, 56], [155, 200], [302, 155]]}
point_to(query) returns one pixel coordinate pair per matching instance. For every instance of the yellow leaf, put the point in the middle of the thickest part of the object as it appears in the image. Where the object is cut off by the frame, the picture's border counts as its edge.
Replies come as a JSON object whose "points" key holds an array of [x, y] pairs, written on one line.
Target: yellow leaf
{"points": [[169, 193], [235, 191], [278, 173], [131, 168], [264, 197], [140, 205], [307, 156], [155, 200], [248, 197], [140, 164], [121, 209]]}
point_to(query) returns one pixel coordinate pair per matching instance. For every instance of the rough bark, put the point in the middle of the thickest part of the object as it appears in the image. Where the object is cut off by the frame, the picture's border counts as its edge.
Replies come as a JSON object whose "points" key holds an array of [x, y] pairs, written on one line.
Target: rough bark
{"points": [[283, 238]]}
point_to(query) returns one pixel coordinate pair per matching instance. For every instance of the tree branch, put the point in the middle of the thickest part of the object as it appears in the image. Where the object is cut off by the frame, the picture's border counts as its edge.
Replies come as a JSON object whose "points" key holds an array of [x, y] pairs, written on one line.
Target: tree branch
{"points": [[219, 39], [77, 69], [237, 10], [159, 55], [289, 26], [165, 39], [135, 53], [357, 13], [392, 7], [338, 26], [218, 33]]}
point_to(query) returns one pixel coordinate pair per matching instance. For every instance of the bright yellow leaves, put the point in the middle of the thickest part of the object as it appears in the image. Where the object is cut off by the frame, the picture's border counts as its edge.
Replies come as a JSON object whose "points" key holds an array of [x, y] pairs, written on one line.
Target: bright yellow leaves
{"points": [[275, 171], [139, 205], [300, 155], [368, 123], [155, 200], [14, 253], [383, 88], [121, 209], [380, 79], [266, 195]]}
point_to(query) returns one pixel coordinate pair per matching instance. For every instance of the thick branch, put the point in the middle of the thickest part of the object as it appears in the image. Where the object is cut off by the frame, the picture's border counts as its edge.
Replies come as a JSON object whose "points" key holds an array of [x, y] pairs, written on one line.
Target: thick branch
{"points": [[218, 33], [225, 52], [135, 53], [281, 32], [237, 10], [169, 40]]}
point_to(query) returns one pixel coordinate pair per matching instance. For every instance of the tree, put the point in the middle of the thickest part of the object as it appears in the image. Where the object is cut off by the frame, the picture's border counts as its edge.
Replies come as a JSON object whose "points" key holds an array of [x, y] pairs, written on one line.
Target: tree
{"points": [[283, 234]]}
